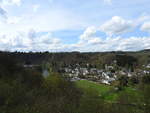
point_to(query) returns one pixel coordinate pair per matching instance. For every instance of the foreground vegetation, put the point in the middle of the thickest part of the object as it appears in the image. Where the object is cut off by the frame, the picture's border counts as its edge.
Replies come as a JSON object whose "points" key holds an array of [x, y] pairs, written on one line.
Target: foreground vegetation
{"points": [[27, 91], [130, 99]]}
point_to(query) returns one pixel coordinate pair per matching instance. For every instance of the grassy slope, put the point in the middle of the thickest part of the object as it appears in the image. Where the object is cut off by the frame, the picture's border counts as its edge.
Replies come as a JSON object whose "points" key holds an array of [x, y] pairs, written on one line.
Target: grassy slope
{"points": [[105, 91], [88, 84]]}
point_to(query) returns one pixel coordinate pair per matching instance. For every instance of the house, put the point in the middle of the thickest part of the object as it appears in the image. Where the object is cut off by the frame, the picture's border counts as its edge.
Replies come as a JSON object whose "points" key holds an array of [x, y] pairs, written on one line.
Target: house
{"points": [[93, 71], [105, 76], [105, 82], [99, 71], [111, 80], [45, 73], [30, 66], [75, 79], [68, 70], [146, 72], [77, 72], [108, 67], [148, 66], [129, 74], [84, 71], [122, 73]]}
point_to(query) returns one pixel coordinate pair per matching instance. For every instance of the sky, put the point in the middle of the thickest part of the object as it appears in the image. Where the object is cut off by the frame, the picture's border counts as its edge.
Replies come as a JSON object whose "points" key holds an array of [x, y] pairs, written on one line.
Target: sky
{"points": [[74, 25]]}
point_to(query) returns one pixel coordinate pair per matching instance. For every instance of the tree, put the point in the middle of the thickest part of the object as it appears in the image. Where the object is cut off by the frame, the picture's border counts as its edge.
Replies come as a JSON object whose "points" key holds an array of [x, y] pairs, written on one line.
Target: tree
{"points": [[123, 81]]}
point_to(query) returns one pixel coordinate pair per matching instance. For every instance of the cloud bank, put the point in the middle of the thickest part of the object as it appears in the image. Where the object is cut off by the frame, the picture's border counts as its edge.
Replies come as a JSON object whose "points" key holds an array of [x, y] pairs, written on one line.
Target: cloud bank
{"points": [[31, 27]]}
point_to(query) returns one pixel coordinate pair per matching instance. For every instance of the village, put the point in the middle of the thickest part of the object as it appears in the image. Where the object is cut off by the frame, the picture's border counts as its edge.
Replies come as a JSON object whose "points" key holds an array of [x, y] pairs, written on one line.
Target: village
{"points": [[105, 76]]}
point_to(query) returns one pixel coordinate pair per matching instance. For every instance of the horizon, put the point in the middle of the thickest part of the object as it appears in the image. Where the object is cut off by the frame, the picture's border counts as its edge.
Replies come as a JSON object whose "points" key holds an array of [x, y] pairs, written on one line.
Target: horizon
{"points": [[74, 51], [68, 26]]}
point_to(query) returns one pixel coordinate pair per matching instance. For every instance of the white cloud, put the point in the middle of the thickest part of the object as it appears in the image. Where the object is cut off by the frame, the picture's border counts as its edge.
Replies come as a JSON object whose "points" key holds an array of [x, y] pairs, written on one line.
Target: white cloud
{"points": [[146, 27], [144, 17], [89, 42], [88, 33], [95, 40], [10, 2], [29, 41], [36, 7], [117, 25], [5, 17], [47, 21], [35, 41], [17, 2], [3, 14], [108, 1], [13, 20], [88, 37], [111, 44], [50, 1]]}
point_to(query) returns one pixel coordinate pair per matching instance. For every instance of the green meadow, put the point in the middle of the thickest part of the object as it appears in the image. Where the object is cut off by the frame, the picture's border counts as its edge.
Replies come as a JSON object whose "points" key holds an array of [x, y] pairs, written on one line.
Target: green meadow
{"points": [[106, 92]]}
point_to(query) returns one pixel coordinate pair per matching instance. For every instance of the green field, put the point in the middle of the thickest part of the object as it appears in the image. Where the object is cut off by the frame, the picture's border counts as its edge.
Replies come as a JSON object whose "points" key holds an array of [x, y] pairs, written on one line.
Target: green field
{"points": [[105, 91]]}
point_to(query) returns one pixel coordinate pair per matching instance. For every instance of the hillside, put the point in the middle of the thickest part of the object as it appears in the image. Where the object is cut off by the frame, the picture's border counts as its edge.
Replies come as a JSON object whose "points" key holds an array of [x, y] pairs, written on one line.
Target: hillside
{"points": [[98, 59]]}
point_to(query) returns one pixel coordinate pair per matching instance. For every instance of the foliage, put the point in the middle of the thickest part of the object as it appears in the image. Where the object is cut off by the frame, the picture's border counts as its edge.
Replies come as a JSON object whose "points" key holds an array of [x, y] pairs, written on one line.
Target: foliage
{"points": [[24, 90]]}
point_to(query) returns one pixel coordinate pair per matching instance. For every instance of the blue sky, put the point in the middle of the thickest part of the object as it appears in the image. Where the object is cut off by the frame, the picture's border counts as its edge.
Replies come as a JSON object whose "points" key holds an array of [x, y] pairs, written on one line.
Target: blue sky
{"points": [[74, 25]]}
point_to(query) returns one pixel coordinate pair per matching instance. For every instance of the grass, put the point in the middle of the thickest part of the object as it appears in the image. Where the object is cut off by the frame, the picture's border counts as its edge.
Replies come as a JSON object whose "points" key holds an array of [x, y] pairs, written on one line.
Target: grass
{"points": [[105, 91], [100, 88]]}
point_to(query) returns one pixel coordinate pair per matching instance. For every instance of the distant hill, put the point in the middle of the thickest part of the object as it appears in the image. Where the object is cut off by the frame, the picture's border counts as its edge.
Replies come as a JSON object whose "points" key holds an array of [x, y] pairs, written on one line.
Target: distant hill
{"points": [[98, 59], [145, 50]]}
